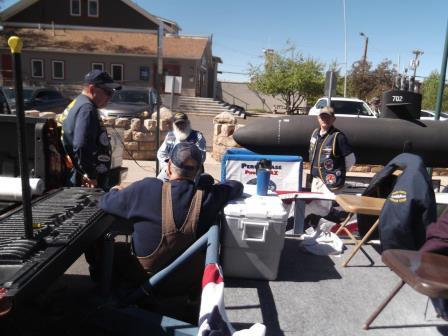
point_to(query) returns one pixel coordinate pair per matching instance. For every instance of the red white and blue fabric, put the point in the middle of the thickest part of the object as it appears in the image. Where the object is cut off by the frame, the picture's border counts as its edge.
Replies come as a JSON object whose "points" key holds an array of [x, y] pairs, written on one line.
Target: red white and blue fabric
{"points": [[212, 316]]}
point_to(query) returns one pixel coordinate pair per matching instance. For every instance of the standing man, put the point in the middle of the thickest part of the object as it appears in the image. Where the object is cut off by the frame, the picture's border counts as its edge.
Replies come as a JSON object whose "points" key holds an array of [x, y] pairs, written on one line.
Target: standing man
{"points": [[85, 137], [182, 132], [375, 106], [330, 154]]}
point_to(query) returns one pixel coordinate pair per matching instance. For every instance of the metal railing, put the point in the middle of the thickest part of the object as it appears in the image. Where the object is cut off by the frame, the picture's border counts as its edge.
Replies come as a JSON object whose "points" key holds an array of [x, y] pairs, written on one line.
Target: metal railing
{"points": [[233, 97]]}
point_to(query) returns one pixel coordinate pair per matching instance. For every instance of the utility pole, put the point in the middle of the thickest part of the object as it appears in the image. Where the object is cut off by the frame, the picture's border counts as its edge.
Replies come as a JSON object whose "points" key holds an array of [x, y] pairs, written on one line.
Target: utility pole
{"points": [[415, 62], [366, 43], [345, 50]]}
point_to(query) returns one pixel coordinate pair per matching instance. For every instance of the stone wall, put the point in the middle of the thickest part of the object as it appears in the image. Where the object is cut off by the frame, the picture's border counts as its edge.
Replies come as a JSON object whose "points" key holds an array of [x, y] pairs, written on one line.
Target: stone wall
{"points": [[224, 125], [139, 136]]}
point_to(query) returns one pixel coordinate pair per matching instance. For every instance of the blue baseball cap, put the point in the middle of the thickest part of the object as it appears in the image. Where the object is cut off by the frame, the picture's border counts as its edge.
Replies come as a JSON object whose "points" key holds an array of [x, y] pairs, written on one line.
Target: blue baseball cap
{"points": [[183, 152], [101, 79]]}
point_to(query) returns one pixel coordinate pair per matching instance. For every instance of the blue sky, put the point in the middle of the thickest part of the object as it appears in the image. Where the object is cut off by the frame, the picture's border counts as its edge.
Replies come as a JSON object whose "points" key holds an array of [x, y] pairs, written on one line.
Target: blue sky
{"points": [[241, 29]]}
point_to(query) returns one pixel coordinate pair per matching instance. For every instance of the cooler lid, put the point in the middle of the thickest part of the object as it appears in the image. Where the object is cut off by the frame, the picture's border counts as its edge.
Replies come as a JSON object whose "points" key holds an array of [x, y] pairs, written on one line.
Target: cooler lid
{"points": [[264, 207]]}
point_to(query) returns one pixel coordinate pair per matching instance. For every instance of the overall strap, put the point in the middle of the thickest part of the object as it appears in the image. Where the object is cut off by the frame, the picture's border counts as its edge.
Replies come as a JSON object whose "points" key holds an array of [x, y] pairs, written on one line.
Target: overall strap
{"points": [[193, 213], [168, 224]]}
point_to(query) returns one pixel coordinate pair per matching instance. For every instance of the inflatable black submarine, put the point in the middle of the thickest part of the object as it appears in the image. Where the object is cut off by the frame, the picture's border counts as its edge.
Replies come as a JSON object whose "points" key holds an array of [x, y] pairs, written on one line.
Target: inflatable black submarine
{"points": [[374, 140]]}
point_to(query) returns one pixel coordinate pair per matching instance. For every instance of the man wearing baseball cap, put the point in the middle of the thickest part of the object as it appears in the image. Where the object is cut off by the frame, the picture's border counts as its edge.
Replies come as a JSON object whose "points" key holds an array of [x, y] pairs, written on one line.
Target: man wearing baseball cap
{"points": [[330, 154], [167, 218], [85, 138], [182, 132]]}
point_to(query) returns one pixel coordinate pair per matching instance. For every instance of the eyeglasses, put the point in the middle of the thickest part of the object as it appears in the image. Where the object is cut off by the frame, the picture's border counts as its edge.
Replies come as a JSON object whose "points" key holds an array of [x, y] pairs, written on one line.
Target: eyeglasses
{"points": [[108, 92]]}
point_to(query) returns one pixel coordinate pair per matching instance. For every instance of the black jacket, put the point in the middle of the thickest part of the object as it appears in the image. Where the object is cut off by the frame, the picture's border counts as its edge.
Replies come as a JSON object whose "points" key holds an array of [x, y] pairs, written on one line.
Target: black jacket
{"points": [[410, 205]]}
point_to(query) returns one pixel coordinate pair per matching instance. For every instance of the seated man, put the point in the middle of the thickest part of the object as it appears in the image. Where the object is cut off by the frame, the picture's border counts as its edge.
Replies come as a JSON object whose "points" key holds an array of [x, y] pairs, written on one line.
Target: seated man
{"points": [[182, 132], [167, 217]]}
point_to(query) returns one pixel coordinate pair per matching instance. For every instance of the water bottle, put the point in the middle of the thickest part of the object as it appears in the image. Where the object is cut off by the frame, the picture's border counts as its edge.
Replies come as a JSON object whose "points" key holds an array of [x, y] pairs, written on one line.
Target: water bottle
{"points": [[263, 169]]}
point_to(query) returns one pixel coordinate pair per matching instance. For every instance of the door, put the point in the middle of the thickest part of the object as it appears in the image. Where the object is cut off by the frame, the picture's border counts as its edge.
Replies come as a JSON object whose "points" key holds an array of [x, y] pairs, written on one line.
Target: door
{"points": [[6, 68]]}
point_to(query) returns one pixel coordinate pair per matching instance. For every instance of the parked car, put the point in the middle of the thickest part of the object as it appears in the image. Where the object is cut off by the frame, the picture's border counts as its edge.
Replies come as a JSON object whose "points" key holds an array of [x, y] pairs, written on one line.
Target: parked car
{"points": [[429, 115], [129, 103], [44, 99], [344, 107]]}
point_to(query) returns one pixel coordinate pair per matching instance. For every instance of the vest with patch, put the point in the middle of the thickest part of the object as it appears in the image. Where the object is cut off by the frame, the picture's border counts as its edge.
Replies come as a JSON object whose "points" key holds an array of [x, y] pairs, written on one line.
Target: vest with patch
{"points": [[331, 167]]}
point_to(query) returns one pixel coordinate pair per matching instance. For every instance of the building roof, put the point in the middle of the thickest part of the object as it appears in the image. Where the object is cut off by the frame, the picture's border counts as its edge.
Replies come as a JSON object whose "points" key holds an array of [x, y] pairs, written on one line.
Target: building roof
{"points": [[106, 42], [19, 6]]}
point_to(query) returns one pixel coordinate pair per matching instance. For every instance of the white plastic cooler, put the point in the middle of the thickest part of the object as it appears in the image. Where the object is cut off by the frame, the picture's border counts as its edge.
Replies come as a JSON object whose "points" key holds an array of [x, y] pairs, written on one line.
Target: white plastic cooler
{"points": [[253, 237]]}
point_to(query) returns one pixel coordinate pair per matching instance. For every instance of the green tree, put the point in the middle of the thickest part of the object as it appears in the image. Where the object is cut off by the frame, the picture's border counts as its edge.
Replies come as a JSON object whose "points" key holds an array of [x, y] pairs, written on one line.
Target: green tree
{"points": [[429, 91], [288, 76], [365, 83], [360, 81], [382, 77]]}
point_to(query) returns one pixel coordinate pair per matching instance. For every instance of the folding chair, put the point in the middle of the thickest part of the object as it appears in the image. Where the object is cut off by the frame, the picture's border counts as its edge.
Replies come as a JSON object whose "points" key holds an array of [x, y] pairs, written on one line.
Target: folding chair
{"points": [[425, 272], [358, 205]]}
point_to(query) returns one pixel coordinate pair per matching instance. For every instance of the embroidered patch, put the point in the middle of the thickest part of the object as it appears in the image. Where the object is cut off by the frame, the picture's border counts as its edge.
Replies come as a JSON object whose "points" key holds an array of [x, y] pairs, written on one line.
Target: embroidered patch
{"points": [[399, 196], [328, 164], [327, 150], [330, 179], [104, 139], [103, 158], [101, 168]]}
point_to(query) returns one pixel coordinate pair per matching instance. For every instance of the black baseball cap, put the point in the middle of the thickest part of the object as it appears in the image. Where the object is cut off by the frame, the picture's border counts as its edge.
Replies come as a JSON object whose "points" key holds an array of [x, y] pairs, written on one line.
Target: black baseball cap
{"points": [[180, 117], [184, 151], [101, 79]]}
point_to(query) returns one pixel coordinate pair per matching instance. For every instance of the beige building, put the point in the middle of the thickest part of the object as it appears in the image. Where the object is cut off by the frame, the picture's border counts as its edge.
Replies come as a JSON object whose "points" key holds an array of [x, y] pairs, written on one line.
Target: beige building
{"points": [[64, 39]]}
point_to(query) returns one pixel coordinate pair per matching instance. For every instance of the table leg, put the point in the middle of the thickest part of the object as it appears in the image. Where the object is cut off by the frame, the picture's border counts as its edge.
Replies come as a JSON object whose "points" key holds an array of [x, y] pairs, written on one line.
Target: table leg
{"points": [[347, 231], [359, 245]]}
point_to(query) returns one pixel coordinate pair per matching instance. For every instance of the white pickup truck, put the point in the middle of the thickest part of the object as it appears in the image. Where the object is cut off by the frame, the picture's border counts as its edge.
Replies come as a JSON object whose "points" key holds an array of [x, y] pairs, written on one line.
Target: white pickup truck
{"points": [[345, 107]]}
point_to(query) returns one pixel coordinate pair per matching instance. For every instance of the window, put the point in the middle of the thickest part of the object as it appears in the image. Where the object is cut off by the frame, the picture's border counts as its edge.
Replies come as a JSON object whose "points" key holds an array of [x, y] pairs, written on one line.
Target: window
{"points": [[348, 107], [57, 69], [92, 8], [321, 103], [144, 73], [75, 7], [117, 72], [37, 68], [98, 66]]}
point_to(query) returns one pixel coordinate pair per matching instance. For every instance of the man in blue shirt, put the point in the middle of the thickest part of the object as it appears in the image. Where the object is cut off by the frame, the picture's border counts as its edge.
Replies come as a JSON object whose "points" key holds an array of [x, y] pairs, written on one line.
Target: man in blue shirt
{"points": [[85, 138], [167, 217]]}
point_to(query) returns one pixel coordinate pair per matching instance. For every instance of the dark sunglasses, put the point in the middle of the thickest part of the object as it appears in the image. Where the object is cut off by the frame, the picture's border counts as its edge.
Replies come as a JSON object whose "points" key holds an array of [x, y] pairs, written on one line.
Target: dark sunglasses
{"points": [[108, 92]]}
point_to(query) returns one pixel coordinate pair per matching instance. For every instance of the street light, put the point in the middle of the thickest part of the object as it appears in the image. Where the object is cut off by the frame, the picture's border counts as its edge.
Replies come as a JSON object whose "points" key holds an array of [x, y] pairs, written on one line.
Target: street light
{"points": [[366, 43]]}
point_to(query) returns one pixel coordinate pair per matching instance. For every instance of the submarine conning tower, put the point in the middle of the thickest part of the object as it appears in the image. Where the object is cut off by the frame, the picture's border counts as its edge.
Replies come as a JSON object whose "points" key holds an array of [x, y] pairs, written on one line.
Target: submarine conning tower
{"points": [[401, 104]]}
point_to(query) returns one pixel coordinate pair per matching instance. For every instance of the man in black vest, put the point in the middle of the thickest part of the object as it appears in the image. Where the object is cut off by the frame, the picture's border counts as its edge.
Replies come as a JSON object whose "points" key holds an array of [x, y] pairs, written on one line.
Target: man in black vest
{"points": [[85, 137], [330, 154]]}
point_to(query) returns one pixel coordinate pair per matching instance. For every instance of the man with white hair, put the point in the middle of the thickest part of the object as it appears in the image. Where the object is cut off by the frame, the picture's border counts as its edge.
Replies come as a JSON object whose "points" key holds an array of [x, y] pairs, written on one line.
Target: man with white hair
{"points": [[182, 132]]}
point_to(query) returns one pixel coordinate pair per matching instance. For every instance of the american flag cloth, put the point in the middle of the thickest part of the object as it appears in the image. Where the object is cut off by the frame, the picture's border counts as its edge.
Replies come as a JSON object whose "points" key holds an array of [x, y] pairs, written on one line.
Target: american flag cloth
{"points": [[213, 319]]}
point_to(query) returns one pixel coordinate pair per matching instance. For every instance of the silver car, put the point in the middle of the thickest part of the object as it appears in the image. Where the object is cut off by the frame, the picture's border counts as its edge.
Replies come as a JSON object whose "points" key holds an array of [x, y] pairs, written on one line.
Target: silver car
{"points": [[128, 103]]}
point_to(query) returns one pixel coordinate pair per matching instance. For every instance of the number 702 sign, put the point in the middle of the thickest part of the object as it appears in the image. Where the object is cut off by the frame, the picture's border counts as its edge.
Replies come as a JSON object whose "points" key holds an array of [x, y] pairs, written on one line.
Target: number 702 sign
{"points": [[398, 99]]}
